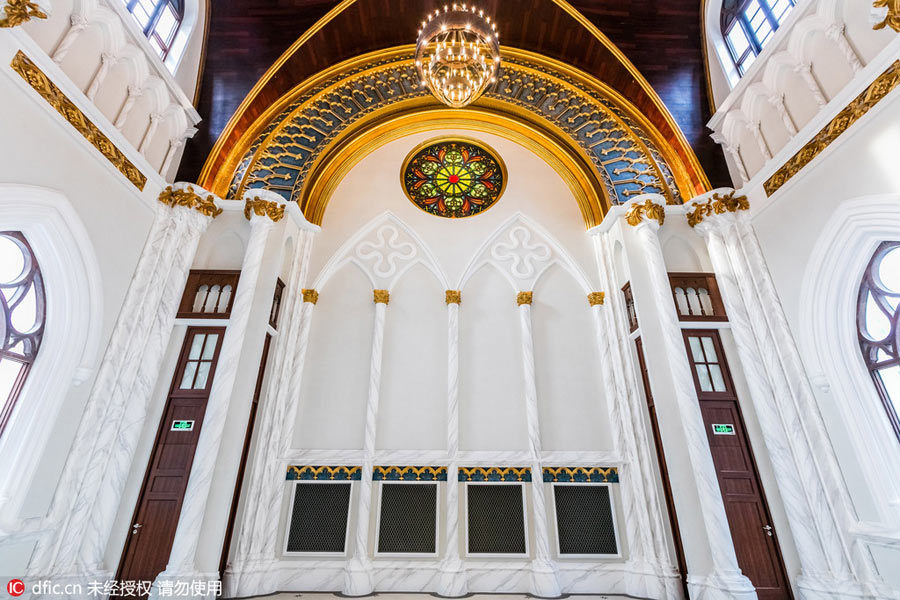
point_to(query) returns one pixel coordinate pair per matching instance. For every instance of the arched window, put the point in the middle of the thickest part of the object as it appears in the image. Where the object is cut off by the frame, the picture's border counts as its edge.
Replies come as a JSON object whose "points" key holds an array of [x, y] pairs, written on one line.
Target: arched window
{"points": [[748, 26], [879, 331], [159, 19], [21, 317]]}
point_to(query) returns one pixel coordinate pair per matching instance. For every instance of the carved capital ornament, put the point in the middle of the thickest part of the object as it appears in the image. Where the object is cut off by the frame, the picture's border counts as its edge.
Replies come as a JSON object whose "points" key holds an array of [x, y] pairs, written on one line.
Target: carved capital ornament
{"points": [[187, 197], [596, 298], [649, 209], [20, 11], [311, 296], [718, 204], [381, 296], [263, 208], [453, 297], [524, 298]]}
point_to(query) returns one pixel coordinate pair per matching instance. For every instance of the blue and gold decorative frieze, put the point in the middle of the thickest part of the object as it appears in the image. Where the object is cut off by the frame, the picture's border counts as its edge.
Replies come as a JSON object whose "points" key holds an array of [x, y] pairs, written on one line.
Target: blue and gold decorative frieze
{"points": [[494, 474], [581, 474], [312, 473], [409, 474], [625, 158]]}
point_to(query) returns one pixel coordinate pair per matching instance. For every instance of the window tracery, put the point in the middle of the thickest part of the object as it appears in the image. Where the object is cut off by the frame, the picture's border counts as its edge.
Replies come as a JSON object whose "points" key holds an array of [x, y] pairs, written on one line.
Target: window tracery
{"points": [[748, 25], [159, 20], [22, 312], [878, 319]]}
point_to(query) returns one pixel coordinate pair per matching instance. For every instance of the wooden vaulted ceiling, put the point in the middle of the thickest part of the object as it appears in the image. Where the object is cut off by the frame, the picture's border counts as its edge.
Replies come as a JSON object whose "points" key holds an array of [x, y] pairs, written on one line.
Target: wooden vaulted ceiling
{"points": [[661, 38]]}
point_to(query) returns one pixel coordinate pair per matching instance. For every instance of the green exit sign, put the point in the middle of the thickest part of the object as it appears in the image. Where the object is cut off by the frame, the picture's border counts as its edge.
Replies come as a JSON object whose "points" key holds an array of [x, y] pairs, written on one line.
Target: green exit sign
{"points": [[723, 429], [182, 425]]}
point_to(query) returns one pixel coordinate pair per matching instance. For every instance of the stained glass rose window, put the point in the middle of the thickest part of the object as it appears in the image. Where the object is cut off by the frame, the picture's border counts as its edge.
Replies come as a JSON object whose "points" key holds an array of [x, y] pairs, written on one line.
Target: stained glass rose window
{"points": [[454, 178]]}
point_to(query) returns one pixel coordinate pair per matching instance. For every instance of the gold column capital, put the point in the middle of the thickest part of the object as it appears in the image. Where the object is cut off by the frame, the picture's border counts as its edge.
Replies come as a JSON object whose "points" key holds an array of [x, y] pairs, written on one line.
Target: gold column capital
{"points": [[891, 17], [311, 296], [382, 296], [263, 208], [717, 204], [524, 298], [187, 197], [19, 12], [649, 209], [453, 297], [596, 298]]}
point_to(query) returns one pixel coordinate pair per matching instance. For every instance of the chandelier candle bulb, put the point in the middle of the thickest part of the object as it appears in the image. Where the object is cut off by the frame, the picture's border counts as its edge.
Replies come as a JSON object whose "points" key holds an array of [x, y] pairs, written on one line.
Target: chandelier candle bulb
{"points": [[457, 77]]}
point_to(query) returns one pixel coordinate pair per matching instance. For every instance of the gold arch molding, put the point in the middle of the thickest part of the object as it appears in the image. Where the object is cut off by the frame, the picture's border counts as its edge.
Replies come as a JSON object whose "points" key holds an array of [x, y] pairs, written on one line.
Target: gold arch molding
{"points": [[604, 148], [246, 117]]}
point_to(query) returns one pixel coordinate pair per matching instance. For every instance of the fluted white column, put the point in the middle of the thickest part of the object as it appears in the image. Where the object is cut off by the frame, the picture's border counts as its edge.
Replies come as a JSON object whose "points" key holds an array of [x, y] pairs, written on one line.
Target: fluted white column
{"points": [[735, 154], [257, 529], [452, 582], [107, 61], [807, 475], [358, 573], [134, 92], [263, 212], [652, 570], [778, 102], [805, 72], [543, 571], [89, 492], [726, 582], [77, 24], [155, 120]]}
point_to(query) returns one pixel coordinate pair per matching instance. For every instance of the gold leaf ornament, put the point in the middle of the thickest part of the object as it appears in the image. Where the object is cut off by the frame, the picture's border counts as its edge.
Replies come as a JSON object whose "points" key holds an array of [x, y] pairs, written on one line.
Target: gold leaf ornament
{"points": [[19, 12], [718, 204], [188, 198], [649, 209]]}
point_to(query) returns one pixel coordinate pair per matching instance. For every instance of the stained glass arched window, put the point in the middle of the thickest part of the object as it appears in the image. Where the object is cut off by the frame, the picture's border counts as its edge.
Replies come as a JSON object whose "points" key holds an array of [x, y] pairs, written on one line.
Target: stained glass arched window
{"points": [[878, 314], [453, 177], [21, 317]]}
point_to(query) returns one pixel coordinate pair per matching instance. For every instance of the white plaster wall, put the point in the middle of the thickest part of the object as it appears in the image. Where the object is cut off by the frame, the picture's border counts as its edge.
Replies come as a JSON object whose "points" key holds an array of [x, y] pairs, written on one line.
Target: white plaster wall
{"points": [[413, 388], [491, 406], [861, 162], [413, 409], [573, 411], [332, 401], [194, 28], [41, 149]]}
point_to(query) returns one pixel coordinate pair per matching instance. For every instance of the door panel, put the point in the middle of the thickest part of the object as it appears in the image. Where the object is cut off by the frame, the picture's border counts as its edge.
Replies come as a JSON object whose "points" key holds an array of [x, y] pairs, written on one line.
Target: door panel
{"points": [[749, 520], [149, 543]]}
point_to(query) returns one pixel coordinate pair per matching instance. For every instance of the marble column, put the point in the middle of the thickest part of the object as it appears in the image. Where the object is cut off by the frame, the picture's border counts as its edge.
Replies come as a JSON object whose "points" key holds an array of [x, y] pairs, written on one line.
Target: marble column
{"points": [[358, 572], [652, 572], [726, 582], [263, 209], [257, 527], [764, 346], [543, 571], [452, 582], [89, 493]]}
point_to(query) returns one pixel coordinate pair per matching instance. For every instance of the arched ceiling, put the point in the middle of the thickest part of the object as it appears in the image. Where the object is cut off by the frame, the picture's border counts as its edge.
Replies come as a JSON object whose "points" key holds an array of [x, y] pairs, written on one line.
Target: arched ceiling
{"points": [[661, 39]]}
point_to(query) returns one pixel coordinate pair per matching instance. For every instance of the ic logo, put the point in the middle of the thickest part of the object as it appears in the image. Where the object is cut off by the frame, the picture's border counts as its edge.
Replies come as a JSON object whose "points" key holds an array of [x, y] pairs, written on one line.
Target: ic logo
{"points": [[15, 587]]}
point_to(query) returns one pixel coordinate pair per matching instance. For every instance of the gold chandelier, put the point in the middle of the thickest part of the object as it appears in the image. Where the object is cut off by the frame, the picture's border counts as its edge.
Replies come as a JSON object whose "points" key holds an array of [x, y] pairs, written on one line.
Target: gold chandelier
{"points": [[457, 53]]}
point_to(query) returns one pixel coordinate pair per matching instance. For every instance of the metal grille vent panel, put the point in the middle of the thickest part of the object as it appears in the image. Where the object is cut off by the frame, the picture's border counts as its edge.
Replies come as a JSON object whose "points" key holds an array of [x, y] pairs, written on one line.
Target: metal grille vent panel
{"points": [[408, 518], [584, 520], [319, 518], [496, 519]]}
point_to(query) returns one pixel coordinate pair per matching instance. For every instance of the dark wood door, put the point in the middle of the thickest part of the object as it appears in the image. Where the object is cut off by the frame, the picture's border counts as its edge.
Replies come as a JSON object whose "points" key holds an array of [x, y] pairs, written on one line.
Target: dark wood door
{"points": [[159, 505], [755, 540]]}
